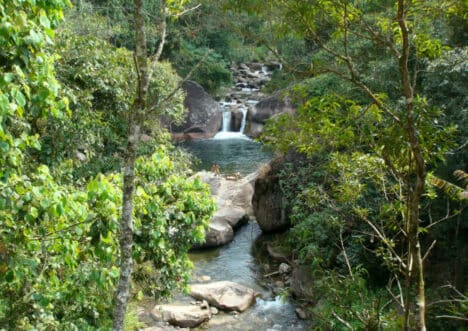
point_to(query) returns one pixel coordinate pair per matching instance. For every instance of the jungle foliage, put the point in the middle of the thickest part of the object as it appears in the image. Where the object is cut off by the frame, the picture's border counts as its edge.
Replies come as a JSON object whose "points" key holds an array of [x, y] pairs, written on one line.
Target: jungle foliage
{"points": [[64, 106]]}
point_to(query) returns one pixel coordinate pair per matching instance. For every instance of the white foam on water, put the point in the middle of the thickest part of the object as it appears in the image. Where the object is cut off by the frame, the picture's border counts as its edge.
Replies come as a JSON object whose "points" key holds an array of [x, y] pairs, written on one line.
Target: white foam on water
{"points": [[230, 135]]}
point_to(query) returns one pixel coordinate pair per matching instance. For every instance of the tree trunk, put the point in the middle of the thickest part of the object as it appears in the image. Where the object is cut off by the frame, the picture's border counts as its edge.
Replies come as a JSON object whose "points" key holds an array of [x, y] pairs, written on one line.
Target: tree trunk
{"points": [[126, 231], [415, 269], [126, 223]]}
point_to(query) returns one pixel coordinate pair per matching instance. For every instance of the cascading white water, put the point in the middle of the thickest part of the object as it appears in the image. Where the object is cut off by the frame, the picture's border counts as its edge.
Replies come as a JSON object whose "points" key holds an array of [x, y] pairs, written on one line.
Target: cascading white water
{"points": [[225, 133], [226, 121], [244, 119]]}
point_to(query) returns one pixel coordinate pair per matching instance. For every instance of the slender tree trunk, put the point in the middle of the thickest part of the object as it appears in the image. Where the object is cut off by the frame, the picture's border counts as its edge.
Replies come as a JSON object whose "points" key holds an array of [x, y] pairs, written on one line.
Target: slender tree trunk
{"points": [[126, 223], [126, 231], [415, 262]]}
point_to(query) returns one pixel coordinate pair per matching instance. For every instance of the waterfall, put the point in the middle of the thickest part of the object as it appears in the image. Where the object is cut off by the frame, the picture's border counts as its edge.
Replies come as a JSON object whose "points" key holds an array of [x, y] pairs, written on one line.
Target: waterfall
{"points": [[226, 121], [244, 119], [225, 132]]}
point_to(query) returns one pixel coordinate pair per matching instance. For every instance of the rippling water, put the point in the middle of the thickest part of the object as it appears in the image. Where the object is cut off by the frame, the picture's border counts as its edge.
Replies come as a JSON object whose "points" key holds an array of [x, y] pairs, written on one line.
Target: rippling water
{"points": [[232, 155], [235, 261]]}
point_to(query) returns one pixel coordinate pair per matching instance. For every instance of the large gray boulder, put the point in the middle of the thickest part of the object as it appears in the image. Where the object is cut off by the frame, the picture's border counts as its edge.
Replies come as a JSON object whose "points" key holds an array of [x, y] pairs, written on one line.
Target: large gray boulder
{"points": [[224, 295], [265, 109], [186, 316], [234, 206], [204, 115], [302, 283], [267, 201], [219, 233]]}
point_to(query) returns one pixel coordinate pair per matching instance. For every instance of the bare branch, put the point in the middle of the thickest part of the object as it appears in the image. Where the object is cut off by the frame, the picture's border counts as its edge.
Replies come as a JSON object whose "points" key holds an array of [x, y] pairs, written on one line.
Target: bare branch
{"points": [[429, 250], [343, 321], [187, 10], [345, 255]]}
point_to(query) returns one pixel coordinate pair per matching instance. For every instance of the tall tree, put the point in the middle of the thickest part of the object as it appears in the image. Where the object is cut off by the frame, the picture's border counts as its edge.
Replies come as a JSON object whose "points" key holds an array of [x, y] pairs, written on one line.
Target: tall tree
{"points": [[136, 118], [336, 31]]}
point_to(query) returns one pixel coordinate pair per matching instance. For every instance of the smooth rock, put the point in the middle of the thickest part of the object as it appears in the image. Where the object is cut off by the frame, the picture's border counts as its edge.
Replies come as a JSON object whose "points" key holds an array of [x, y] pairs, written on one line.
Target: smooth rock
{"points": [[204, 279], [219, 233], [186, 316], [267, 201], [204, 115], [224, 295], [233, 198], [164, 328], [301, 314]]}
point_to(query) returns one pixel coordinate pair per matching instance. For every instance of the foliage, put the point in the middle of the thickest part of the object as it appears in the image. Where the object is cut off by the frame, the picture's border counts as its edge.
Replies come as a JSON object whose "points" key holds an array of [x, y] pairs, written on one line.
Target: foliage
{"points": [[59, 244], [351, 305], [213, 74], [59, 252], [172, 214], [28, 87], [97, 78]]}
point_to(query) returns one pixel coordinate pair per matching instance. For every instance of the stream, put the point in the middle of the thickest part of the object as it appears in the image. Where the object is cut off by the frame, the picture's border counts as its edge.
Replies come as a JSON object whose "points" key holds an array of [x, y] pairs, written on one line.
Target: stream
{"points": [[242, 260], [236, 261]]}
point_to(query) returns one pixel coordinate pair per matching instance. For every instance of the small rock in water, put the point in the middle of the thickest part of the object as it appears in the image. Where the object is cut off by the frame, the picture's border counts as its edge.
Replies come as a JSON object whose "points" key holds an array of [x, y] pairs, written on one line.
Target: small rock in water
{"points": [[182, 316], [284, 268], [301, 313], [224, 295], [204, 278], [214, 311]]}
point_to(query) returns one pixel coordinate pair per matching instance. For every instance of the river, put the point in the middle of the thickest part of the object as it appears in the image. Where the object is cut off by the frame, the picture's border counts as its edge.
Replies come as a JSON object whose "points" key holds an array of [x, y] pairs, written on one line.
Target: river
{"points": [[236, 261]]}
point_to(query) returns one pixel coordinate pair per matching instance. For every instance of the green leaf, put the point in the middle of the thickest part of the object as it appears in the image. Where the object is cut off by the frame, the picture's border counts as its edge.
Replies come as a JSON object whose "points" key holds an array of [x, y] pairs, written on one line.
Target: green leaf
{"points": [[4, 105], [44, 20]]}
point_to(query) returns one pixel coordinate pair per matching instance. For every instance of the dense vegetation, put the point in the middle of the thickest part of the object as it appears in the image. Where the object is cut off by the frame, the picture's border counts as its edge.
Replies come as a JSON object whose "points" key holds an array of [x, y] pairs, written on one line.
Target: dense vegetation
{"points": [[65, 104], [379, 129]]}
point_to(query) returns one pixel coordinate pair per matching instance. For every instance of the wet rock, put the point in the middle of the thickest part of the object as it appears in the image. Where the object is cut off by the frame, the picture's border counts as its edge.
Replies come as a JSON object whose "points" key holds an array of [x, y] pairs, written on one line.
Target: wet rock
{"points": [[301, 283], [267, 200], [233, 198], [204, 279], [301, 314], [219, 233], [204, 115], [214, 310], [270, 106], [279, 284], [276, 253], [164, 328], [185, 316], [224, 295]]}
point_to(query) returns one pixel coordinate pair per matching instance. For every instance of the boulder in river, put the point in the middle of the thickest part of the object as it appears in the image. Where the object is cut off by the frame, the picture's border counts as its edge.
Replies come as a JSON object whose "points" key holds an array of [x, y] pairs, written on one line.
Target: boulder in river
{"points": [[219, 233], [164, 327], [186, 316], [204, 115], [224, 295], [233, 198], [266, 109], [267, 200]]}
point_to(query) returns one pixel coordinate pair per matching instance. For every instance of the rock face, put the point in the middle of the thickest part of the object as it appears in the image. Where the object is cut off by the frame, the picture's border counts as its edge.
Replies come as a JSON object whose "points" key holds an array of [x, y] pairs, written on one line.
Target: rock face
{"points": [[233, 198], [267, 201], [301, 283], [219, 233], [204, 116], [224, 295], [265, 109], [186, 316]]}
